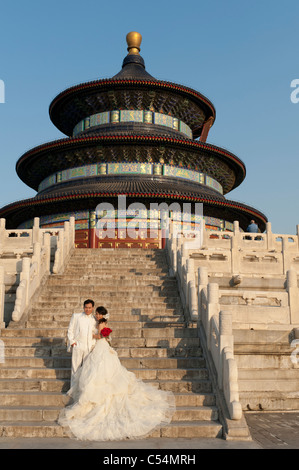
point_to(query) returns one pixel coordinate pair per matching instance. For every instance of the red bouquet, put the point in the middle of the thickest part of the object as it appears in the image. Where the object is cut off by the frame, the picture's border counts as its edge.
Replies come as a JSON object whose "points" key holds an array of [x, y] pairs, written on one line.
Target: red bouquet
{"points": [[106, 332]]}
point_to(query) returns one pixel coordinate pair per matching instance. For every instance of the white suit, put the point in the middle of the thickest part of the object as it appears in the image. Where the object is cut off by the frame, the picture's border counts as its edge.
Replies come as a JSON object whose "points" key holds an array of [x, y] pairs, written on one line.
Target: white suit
{"points": [[80, 331]]}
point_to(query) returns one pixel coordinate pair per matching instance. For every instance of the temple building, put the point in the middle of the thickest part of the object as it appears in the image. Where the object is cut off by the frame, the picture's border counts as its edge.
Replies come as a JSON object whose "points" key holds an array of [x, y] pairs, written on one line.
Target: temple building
{"points": [[135, 139]]}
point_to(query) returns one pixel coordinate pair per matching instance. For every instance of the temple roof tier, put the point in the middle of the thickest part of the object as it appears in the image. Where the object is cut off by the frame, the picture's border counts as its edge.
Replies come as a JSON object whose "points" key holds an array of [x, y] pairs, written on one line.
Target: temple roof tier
{"points": [[81, 101], [88, 199], [62, 154]]}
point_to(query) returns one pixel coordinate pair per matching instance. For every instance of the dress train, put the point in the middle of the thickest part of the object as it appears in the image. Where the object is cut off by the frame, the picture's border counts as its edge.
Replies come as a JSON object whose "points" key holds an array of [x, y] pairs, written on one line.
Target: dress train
{"points": [[111, 403]]}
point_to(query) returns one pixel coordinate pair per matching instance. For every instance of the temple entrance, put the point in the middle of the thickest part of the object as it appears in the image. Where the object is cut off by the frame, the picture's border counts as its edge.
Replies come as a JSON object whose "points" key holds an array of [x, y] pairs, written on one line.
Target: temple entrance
{"points": [[91, 238]]}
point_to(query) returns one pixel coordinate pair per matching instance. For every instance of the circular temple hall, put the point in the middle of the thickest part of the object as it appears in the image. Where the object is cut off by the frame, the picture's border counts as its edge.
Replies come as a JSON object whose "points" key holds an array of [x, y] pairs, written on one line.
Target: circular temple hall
{"points": [[134, 146]]}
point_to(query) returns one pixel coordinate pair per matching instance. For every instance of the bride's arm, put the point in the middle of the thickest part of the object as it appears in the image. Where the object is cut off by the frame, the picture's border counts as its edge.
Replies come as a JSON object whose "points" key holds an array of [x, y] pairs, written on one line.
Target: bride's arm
{"points": [[98, 336]]}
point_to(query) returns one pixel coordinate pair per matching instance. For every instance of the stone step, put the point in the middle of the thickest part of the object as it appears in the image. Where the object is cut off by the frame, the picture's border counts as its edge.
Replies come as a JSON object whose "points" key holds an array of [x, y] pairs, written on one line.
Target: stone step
{"points": [[143, 266], [110, 303], [161, 333], [123, 281], [261, 348], [114, 325], [264, 361], [195, 429], [144, 319], [100, 287], [49, 385], [250, 336], [268, 374], [269, 400], [136, 297], [14, 342], [129, 363], [36, 362], [122, 268], [33, 398], [96, 278], [57, 351], [30, 413], [163, 310], [65, 373], [264, 385], [46, 429], [51, 413], [31, 429], [34, 385], [60, 400], [35, 373]]}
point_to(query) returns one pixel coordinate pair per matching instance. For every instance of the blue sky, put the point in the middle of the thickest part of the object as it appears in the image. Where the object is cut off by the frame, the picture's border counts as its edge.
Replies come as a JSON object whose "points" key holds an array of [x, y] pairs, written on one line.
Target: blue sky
{"points": [[241, 55]]}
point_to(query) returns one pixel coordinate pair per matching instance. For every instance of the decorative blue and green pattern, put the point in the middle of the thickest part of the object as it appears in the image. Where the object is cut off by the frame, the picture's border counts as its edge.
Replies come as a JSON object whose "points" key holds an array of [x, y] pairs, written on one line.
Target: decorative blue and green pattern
{"points": [[131, 115], [124, 168]]}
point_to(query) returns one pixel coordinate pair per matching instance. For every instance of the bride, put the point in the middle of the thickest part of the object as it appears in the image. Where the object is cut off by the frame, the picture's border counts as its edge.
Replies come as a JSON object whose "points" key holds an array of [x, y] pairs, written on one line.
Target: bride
{"points": [[111, 403]]}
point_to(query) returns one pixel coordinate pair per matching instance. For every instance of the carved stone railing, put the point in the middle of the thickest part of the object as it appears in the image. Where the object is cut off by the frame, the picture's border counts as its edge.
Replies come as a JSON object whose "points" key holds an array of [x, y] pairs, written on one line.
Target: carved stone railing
{"points": [[2, 296], [248, 253], [240, 258], [31, 249], [201, 304]]}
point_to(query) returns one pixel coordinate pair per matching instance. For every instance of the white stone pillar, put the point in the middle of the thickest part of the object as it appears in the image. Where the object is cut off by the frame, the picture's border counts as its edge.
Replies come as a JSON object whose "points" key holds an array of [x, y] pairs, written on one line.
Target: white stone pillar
{"points": [[269, 236], [2, 296], [235, 249], [293, 291], [36, 232], [212, 308], [47, 247], [25, 276], [202, 291], [72, 230], [225, 339]]}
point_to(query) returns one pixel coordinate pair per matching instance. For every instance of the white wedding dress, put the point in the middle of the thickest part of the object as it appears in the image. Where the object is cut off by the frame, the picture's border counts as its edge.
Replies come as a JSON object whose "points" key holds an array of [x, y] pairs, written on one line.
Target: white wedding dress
{"points": [[110, 403]]}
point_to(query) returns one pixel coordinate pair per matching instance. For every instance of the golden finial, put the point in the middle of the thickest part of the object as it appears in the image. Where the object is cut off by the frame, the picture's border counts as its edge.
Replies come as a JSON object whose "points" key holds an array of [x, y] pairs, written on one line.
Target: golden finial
{"points": [[134, 40]]}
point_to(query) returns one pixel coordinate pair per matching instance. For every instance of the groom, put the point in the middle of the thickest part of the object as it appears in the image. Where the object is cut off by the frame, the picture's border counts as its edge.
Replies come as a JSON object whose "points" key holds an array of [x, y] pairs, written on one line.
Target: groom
{"points": [[79, 335]]}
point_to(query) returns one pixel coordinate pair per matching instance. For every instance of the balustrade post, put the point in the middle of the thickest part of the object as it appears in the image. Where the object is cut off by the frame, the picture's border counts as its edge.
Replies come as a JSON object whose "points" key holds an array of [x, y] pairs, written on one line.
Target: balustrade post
{"points": [[212, 308], [47, 247], [2, 296], [284, 249], [67, 236], [202, 291], [225, 340], [72, 227], [36, 231], [235, 246], [25, 276], [269, 236], [293, 291], [205, 236], [190, 276], [36, 255]]}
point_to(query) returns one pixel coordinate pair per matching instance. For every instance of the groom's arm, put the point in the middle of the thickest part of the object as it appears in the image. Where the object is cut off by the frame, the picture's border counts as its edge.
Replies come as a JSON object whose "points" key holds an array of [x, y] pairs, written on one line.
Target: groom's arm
{"points": [[71, 330]]}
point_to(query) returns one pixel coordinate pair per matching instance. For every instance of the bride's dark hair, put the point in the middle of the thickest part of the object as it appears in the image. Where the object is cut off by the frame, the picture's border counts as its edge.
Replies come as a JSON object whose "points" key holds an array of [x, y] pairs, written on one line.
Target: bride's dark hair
{"points": [[102, 320]]}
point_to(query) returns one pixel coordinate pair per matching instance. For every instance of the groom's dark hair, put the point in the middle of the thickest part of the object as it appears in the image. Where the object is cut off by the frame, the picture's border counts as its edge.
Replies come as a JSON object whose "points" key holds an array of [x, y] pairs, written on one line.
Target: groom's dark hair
{"points": [[88, 301]]}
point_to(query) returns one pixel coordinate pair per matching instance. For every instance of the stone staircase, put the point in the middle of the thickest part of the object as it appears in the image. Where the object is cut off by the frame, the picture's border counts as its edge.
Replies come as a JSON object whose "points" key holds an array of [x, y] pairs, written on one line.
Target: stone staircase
{"points": [[268, 379], [149, 333]]}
